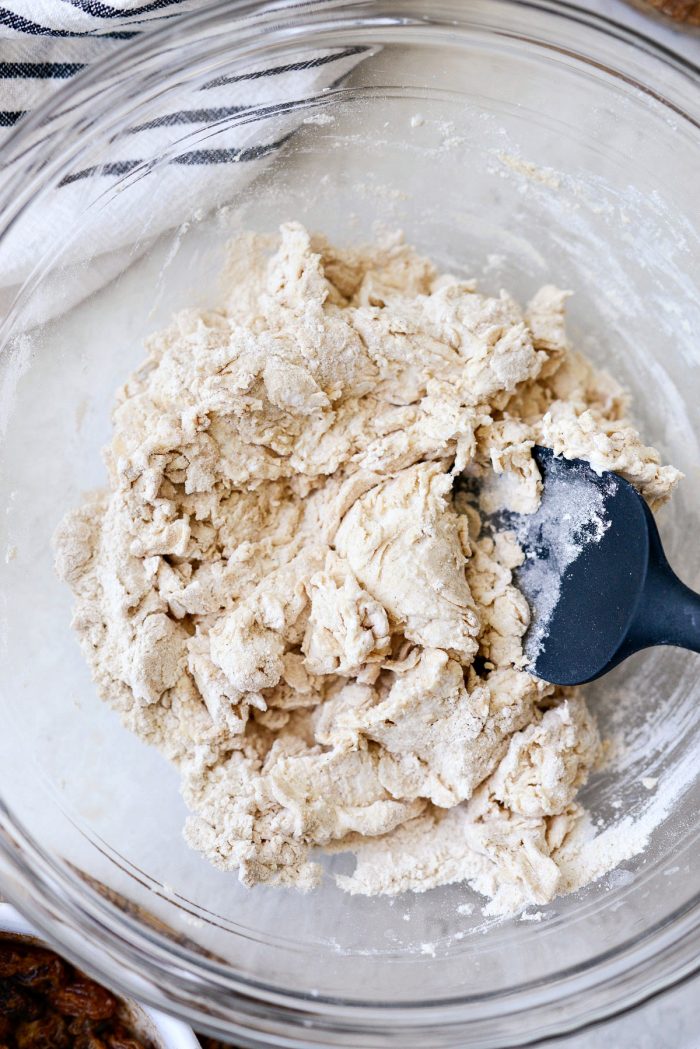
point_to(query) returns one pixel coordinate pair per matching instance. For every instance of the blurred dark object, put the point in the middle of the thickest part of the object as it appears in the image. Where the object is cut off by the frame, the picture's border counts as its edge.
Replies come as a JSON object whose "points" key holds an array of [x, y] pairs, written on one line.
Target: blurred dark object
{"points": [[682, 12], [46, 1003]]}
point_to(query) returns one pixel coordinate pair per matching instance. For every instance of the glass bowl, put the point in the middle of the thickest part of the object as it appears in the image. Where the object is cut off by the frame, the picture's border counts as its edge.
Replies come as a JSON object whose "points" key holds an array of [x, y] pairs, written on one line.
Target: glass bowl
{"points": [[517, 143]]}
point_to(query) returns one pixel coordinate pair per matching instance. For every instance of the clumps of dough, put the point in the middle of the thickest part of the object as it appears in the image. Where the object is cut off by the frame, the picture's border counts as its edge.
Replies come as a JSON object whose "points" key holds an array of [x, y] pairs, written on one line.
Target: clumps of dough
{"points": [[348, 630], [281, 588], [608, 444], [401, 539]]}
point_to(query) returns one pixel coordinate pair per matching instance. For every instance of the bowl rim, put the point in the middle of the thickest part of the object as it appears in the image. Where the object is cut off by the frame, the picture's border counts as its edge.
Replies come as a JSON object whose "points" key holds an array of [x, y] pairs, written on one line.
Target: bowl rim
{"points": [[53, 889]]}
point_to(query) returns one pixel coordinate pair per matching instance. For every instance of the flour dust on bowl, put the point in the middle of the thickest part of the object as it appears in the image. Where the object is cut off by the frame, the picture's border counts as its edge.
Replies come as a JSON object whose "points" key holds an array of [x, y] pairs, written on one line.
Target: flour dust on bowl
{"points": [[517, 146]]}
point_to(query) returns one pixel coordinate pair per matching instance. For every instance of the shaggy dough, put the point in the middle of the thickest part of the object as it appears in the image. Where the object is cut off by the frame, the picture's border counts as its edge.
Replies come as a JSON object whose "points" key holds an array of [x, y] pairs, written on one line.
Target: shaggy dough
{"points": [[280, 589]]}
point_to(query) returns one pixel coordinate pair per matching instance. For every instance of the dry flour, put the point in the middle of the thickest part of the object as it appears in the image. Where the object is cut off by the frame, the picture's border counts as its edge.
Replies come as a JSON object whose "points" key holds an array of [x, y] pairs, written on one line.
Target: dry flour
{"points": [[280, 589]]}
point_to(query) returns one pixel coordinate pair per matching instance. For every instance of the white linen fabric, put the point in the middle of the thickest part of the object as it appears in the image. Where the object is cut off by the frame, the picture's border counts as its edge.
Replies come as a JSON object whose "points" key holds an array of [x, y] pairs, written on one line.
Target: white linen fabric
{"points": [[191, 152]]}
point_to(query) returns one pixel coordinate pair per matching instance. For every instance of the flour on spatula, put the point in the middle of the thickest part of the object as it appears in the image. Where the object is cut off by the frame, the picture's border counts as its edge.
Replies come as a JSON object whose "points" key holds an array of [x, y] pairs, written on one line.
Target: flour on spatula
{"points": [[275, 586], [570, 517]]}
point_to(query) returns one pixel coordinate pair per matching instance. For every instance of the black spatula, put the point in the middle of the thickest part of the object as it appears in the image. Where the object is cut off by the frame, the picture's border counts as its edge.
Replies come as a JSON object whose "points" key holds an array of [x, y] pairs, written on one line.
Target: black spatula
{"points": [[596, 577]]}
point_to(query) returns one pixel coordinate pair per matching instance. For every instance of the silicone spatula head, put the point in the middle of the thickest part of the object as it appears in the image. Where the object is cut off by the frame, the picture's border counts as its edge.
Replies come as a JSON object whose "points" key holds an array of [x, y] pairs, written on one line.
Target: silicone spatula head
{"points": [[595, 576]]}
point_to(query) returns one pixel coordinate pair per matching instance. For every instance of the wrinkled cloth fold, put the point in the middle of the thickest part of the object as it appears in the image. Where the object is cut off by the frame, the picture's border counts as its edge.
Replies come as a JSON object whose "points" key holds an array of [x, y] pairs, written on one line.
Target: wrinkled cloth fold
{"points": [[184, 154]]}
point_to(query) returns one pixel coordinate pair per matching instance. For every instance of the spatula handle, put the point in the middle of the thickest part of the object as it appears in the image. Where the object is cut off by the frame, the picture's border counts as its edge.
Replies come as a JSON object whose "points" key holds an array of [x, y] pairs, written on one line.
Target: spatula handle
{"points": [[669, 611], [669, 614]]}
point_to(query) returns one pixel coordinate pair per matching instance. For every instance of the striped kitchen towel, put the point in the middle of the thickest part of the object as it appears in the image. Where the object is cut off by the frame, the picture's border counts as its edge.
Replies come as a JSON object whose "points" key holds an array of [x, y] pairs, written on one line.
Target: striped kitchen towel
{"points": [[184, 154]]}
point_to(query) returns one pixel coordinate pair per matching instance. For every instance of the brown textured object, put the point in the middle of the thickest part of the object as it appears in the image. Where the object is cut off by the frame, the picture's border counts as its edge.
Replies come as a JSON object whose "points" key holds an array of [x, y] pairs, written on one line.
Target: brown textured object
{"points": [[45, 1003], [685, 11]]}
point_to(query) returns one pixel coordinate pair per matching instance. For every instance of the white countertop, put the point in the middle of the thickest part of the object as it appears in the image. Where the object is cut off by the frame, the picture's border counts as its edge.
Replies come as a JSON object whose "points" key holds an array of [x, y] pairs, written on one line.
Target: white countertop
{"points": [[671, 1021]]}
